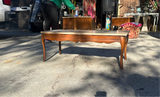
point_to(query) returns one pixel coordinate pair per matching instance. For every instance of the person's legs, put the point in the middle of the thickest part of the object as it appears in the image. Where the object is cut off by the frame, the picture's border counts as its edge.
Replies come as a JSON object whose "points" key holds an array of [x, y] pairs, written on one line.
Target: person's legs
{"points": [[54, 17], [50, 14], [45, 16]]}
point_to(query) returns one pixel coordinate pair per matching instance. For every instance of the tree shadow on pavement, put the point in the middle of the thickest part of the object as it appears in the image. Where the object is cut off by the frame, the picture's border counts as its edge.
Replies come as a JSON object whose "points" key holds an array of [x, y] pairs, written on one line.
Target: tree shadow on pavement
{"points": [[133, 85], [144, 86], [154, 34], [14, 33], [93, 52]]}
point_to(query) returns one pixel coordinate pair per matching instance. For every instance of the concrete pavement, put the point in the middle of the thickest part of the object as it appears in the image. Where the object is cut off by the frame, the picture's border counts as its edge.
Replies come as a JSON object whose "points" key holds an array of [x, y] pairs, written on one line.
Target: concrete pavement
{"points": [[82, 70]]}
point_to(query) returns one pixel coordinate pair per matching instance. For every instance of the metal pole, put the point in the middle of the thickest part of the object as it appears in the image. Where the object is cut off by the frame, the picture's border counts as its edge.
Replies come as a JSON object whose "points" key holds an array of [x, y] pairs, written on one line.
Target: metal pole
{"points": [[101, 19]]}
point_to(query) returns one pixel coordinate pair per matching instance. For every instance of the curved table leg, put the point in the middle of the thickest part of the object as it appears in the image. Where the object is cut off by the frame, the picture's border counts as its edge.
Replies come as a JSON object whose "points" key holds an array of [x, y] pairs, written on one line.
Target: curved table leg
{"points": [[43, 44], [122, 50], [145, 18], [125, 49], [136, 18], [59, 47]]}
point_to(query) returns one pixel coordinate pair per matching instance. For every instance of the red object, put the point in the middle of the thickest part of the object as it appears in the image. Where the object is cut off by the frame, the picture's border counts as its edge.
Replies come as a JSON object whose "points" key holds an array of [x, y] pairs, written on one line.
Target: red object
{"points": [[7, 2], [89, 8], [133, 27]]}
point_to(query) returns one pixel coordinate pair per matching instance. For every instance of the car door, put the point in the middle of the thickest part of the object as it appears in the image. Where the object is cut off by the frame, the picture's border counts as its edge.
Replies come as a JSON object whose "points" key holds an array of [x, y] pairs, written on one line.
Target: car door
{"points": [[4, 6]]}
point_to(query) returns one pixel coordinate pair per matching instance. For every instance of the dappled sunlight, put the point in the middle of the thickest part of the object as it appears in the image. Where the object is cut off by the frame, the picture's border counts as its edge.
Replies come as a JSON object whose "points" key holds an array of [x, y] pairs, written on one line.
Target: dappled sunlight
{"points": [[87, 69], [155, 34], [127, 84]]}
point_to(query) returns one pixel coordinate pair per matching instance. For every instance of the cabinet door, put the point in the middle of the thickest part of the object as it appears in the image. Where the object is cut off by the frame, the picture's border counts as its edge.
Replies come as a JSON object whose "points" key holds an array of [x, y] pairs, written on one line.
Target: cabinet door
{"points": [[68, 23], [84, 23]]}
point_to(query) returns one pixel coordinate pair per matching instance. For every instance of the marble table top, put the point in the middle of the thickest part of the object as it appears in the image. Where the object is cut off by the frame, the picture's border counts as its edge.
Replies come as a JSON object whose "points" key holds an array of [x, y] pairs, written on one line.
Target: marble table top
{"points": [[77, 17], [141, 14], [88, 32]]}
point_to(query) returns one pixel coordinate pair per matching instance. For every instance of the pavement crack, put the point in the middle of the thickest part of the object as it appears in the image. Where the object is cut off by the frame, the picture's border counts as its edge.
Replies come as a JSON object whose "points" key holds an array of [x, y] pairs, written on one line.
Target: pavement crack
{"points": [[86, 61], [56, 81], [74, 60], [52, 95]]}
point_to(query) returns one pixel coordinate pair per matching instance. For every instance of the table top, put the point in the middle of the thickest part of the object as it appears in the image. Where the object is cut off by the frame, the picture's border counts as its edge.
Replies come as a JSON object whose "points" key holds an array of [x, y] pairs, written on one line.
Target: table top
{"points": [[88, 32], [141, 14], [121, 17], [77, 17]]}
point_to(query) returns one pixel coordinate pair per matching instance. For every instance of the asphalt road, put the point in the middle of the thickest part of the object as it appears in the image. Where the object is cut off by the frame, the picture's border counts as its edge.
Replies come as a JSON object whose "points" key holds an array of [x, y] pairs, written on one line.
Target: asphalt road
{"points": [[82, 70]]}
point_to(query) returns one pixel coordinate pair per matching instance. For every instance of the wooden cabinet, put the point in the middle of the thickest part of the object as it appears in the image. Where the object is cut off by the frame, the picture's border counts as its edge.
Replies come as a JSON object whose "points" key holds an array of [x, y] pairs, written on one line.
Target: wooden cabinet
{"points": [[117, 21], [84, 23]]}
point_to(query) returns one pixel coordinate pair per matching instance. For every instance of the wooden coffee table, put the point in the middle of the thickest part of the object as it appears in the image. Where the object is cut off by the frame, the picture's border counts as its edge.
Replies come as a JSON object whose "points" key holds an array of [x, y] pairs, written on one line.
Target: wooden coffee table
{"points": [[99, 36]]}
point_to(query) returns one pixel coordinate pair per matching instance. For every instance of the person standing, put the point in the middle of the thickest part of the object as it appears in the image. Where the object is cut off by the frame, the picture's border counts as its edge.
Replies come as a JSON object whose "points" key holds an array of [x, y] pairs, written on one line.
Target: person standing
{"points": [[50, 11]]}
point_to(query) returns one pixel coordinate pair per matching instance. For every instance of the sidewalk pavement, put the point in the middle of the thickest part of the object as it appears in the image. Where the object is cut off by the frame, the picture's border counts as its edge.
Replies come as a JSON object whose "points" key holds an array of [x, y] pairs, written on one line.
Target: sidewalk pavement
{"points": [[82, 70]]}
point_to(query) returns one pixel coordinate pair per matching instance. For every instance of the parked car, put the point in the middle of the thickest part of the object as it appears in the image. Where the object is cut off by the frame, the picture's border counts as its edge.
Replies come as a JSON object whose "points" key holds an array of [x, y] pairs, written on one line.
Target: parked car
{"points": [[4, 6]]}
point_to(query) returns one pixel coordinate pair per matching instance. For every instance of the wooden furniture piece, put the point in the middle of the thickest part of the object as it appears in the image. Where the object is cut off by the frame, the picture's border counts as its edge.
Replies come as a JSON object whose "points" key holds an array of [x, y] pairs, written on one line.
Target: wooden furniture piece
{"points": [[117, 21], [145, 18], [99, 36], [75, 23]]}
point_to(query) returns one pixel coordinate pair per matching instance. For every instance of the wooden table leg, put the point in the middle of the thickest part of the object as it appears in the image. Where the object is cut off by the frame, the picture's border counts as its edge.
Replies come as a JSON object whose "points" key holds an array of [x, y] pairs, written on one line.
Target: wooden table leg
{"points": [[59, 47], [43, 44], [125, 51], [111, 27], [75, 25], [122, 50]]}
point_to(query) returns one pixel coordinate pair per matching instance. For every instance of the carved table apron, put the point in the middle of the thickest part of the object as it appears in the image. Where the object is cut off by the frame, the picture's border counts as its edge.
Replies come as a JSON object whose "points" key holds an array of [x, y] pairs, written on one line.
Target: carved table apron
{"points": [[99, 36]]}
